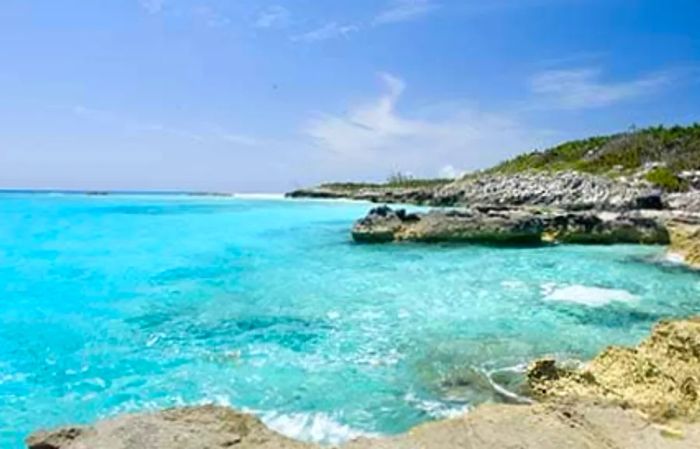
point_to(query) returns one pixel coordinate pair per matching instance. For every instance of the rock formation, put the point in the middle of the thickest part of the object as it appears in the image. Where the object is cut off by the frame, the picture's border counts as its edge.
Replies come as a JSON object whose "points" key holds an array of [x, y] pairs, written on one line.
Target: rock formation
{"points": [[564, 190], [184, 428], [660, 377], [511, 226], [684, 233]]}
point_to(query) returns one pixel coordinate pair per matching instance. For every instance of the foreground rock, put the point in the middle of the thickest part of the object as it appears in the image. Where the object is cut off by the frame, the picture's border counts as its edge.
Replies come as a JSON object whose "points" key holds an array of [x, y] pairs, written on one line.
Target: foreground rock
{"points": [[661, 376], [185, 428], [540, 426], [504, 225]]}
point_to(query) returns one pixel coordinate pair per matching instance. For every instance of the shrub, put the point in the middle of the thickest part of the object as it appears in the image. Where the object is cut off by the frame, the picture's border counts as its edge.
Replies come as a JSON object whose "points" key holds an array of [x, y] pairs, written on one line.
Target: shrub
{"points": [[664, 178]]}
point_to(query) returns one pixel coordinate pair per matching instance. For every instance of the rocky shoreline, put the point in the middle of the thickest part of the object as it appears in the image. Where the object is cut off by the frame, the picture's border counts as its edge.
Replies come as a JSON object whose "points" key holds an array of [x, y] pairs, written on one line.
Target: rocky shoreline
{"points": [[531, 208], [637, 398], [566, 190], [625, 398]]}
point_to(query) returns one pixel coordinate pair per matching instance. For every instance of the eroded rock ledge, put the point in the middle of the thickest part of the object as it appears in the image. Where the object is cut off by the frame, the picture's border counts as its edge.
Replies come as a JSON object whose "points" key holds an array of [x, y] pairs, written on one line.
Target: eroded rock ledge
{"points": [[660, 377], [516, 226], [626, 398], [684, 233]]}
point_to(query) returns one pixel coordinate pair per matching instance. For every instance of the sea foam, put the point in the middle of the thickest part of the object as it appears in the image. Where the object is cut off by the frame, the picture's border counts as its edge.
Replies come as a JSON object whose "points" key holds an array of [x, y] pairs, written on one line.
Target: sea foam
{"points": [[587, 296], [312, 427]]}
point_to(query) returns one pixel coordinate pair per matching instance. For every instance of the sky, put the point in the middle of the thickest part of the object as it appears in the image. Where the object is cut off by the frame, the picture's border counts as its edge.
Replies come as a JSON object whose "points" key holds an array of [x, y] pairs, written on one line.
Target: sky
{"points": [[268, 96]]}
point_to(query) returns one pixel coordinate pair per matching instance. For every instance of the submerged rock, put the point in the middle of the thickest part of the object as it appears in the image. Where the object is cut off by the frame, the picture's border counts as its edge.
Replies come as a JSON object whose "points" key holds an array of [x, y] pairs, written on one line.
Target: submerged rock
{"points": [[661, 376], [512, 226]]}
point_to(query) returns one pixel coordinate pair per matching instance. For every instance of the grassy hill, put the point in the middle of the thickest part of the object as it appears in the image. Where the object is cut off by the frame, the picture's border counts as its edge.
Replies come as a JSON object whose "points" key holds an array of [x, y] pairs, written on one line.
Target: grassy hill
{"points": [[677, 147]]}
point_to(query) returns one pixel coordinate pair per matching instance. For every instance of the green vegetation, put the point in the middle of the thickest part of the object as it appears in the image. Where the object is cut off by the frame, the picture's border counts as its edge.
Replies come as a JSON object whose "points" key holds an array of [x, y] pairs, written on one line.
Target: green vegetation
{"points": [[666, 179], [677, 147], [395, 180]]}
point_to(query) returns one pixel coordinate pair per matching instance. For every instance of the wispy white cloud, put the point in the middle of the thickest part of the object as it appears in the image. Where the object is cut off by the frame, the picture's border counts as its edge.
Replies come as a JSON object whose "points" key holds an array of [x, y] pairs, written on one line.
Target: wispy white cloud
{"points": [[404, 10], [152, 6], [396, 11], [275, 16], [330, 30], [376, 134], [584, 88]]}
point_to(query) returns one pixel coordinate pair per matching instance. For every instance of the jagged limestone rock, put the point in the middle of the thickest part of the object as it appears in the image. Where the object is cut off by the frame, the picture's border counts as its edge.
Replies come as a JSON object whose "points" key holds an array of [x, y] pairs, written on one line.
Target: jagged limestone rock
{"points": [[508, 226], [660, 377], [685, 239]]}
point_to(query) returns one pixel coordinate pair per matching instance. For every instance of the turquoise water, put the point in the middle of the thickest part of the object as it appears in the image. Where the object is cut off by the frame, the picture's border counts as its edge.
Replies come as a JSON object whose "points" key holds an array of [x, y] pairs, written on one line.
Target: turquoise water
{"points": [[124, 303]]}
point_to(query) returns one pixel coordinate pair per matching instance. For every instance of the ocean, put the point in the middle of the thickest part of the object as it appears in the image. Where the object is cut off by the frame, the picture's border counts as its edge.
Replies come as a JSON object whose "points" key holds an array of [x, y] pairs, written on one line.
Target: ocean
{"points": [[124, 303]]}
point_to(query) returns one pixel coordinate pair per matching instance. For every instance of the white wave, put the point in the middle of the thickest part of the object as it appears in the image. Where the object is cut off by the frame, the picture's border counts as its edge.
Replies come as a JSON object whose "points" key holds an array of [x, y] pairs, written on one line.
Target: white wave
{"points": [[587, 296], [312, 427], [503, 391], [548, 287], [437, 409], [674, 258]]}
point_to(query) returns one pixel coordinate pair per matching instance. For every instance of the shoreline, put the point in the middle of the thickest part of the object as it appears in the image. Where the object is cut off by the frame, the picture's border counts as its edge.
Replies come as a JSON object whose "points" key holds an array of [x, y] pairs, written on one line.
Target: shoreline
{"points": [[589, 422], [626, 412]]}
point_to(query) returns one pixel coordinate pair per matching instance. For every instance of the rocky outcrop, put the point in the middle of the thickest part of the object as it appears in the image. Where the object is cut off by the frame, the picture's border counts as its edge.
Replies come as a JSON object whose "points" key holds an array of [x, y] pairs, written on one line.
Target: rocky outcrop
{"points": [[510, 226], [685, 201], [184, 428], [416, 195], [542, 426], [606, 228], [320, 193], [564, 190], [660, 377], [383, 224], [684, 234]]}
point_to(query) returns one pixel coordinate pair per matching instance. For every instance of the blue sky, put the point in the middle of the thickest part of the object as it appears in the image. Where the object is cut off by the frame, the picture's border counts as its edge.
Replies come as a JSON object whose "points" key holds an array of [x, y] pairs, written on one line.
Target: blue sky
{"points": [[270, 95]]}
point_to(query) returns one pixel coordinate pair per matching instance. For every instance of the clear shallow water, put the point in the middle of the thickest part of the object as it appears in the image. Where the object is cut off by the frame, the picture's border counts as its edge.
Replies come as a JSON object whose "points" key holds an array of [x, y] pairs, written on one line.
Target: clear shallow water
{"points": [[117, 303]]}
